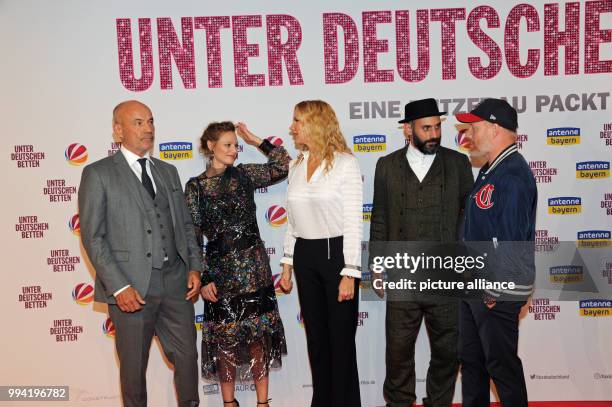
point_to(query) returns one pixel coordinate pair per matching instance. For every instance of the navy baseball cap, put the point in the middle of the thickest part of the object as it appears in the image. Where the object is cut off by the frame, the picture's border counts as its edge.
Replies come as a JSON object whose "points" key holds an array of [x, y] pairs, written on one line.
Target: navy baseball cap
{"points": [[494, 111]]}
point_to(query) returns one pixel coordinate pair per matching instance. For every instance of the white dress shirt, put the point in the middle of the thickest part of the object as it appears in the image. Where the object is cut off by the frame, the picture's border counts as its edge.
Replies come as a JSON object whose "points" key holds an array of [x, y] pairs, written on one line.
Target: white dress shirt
{"points": [[419, 163], [132, 160], [327, 206]]}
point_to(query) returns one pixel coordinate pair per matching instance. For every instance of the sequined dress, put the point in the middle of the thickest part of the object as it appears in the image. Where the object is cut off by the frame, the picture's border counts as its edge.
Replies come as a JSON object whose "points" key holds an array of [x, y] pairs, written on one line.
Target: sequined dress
{"points": [[243, 335]]}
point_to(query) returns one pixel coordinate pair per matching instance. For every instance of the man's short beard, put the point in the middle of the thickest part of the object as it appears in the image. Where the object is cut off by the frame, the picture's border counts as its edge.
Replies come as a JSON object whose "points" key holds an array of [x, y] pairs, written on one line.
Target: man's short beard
{"points": [[423, 147]]}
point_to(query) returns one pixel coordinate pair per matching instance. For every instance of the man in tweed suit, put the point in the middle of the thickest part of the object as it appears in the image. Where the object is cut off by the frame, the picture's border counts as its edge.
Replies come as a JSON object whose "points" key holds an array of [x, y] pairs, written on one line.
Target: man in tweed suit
{"points": [[419, 196]]}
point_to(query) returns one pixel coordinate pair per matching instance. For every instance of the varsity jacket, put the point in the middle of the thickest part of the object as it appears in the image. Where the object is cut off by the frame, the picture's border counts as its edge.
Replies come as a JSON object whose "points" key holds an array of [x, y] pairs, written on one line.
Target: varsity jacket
{"points": [[501, 210]]}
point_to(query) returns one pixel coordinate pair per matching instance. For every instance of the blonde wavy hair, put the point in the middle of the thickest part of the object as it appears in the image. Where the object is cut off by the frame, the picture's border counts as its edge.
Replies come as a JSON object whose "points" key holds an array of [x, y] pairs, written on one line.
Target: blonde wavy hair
{"points": [[320, 125]]}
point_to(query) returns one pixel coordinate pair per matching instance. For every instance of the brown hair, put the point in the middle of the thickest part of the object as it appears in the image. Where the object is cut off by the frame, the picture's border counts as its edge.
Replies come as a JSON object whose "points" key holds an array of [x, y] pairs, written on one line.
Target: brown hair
{"points": [[322, 128], [212, 133]]}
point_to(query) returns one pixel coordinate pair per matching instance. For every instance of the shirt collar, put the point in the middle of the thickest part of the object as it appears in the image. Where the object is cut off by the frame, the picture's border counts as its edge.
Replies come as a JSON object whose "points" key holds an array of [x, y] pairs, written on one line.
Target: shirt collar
{"points": [[133, 158], [413, 154], [511, 149]]}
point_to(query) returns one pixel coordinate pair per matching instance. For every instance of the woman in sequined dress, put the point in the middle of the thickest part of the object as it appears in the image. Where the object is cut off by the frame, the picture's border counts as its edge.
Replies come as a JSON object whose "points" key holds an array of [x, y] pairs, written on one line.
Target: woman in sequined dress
{"points": [[243, 335]]}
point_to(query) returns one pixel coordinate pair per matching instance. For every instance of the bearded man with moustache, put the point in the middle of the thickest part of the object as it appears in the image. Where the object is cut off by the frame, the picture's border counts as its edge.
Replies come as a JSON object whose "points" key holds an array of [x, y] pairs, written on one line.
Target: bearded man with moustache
{"points": [[419, 196]]}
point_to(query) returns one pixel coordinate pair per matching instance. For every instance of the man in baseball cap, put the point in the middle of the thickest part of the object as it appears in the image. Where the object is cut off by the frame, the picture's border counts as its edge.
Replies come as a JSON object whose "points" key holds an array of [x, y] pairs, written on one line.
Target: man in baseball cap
{"points": [[501, 209]]}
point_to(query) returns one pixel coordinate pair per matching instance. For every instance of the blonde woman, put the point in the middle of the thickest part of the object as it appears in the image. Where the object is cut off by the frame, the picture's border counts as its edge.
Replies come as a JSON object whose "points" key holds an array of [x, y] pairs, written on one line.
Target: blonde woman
{"points": [[323, 245]]}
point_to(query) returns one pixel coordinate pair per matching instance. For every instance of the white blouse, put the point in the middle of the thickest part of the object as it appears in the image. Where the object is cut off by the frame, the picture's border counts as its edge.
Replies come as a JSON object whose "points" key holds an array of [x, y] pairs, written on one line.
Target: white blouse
{"points": [[327, 206]]}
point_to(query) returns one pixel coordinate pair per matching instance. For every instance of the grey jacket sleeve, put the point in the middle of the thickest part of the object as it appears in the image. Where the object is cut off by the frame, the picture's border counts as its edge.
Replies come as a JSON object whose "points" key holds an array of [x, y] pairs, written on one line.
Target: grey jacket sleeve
{"points": [[92, 216]]}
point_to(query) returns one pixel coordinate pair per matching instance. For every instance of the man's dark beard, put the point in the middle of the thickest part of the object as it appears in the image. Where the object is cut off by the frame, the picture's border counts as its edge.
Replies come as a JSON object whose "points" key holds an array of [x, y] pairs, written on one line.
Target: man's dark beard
{"points": [[423, 147]]}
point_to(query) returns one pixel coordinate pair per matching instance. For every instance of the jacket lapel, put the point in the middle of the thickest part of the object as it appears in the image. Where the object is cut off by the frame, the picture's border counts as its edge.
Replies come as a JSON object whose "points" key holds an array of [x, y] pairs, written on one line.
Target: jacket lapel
{"points": [[404, 167], [438, 159]]}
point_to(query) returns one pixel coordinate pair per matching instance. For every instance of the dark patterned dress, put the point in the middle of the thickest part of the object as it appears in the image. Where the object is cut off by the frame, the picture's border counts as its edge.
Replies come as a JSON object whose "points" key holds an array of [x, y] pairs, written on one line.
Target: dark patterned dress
{"points": [[243, 335]]}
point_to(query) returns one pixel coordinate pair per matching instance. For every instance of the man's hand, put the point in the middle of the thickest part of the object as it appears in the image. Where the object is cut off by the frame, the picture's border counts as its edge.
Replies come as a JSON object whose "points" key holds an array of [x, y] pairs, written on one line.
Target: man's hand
{"points": [[285, 281], [346, 289], [193, 283], [209, 292], [129, 300]]}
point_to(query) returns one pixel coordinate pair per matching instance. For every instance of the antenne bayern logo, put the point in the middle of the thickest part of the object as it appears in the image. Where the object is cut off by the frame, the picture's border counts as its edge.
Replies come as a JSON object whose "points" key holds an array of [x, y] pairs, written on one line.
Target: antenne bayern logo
{"points": [[176, 150], [484, 196], [76, 154], [593, 169], [369, 143], [568, 205], [566, 274], [595, 239], [276, 215], [598, 307], [367, 212], [563, 136], [83, 294]]}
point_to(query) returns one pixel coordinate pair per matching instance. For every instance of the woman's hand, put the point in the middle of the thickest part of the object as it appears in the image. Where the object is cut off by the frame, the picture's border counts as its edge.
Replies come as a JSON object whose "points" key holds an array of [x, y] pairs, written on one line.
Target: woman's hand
{"points": [[246, 135], [346, 289], [285, 281], [209, 292]]}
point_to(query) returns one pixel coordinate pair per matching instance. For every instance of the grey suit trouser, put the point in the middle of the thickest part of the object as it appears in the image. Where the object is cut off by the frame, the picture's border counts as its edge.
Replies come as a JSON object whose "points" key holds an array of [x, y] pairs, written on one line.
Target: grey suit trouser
{"points": [[169, 316], [403, 322]]}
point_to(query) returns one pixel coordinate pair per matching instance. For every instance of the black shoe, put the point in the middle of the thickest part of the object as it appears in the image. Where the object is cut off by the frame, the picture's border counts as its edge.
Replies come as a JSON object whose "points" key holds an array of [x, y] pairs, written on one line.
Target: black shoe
{"points": [[264, 402], [232, 402]]}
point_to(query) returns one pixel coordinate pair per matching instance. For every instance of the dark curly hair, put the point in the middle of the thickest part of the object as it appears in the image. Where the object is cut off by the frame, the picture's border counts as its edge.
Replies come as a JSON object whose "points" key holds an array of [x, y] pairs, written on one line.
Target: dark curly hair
{"points": [[212, 133]]}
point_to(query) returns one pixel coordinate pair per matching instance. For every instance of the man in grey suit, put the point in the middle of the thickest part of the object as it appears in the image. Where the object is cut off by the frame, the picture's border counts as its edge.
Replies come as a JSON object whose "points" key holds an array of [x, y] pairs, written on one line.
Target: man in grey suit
{"points": [[140, 239]]}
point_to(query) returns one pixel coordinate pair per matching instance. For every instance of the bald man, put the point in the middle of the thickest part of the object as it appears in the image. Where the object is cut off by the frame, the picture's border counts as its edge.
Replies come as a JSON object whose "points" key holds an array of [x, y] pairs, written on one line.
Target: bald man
{"points": [[501, 209], [138, 234]]}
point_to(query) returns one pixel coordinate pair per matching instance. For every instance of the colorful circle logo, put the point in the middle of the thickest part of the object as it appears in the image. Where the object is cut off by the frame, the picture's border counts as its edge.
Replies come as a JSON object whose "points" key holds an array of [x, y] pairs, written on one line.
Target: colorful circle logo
{"points": [[83, 294], [276, 215], [108, 328], [75, 225], [277, 141], [276, 278], [462, 141], [76, 154]]}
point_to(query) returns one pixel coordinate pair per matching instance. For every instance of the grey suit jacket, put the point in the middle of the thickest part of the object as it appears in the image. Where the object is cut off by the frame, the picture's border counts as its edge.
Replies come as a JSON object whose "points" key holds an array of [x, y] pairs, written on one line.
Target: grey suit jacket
{"points": [[115, 229]]}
